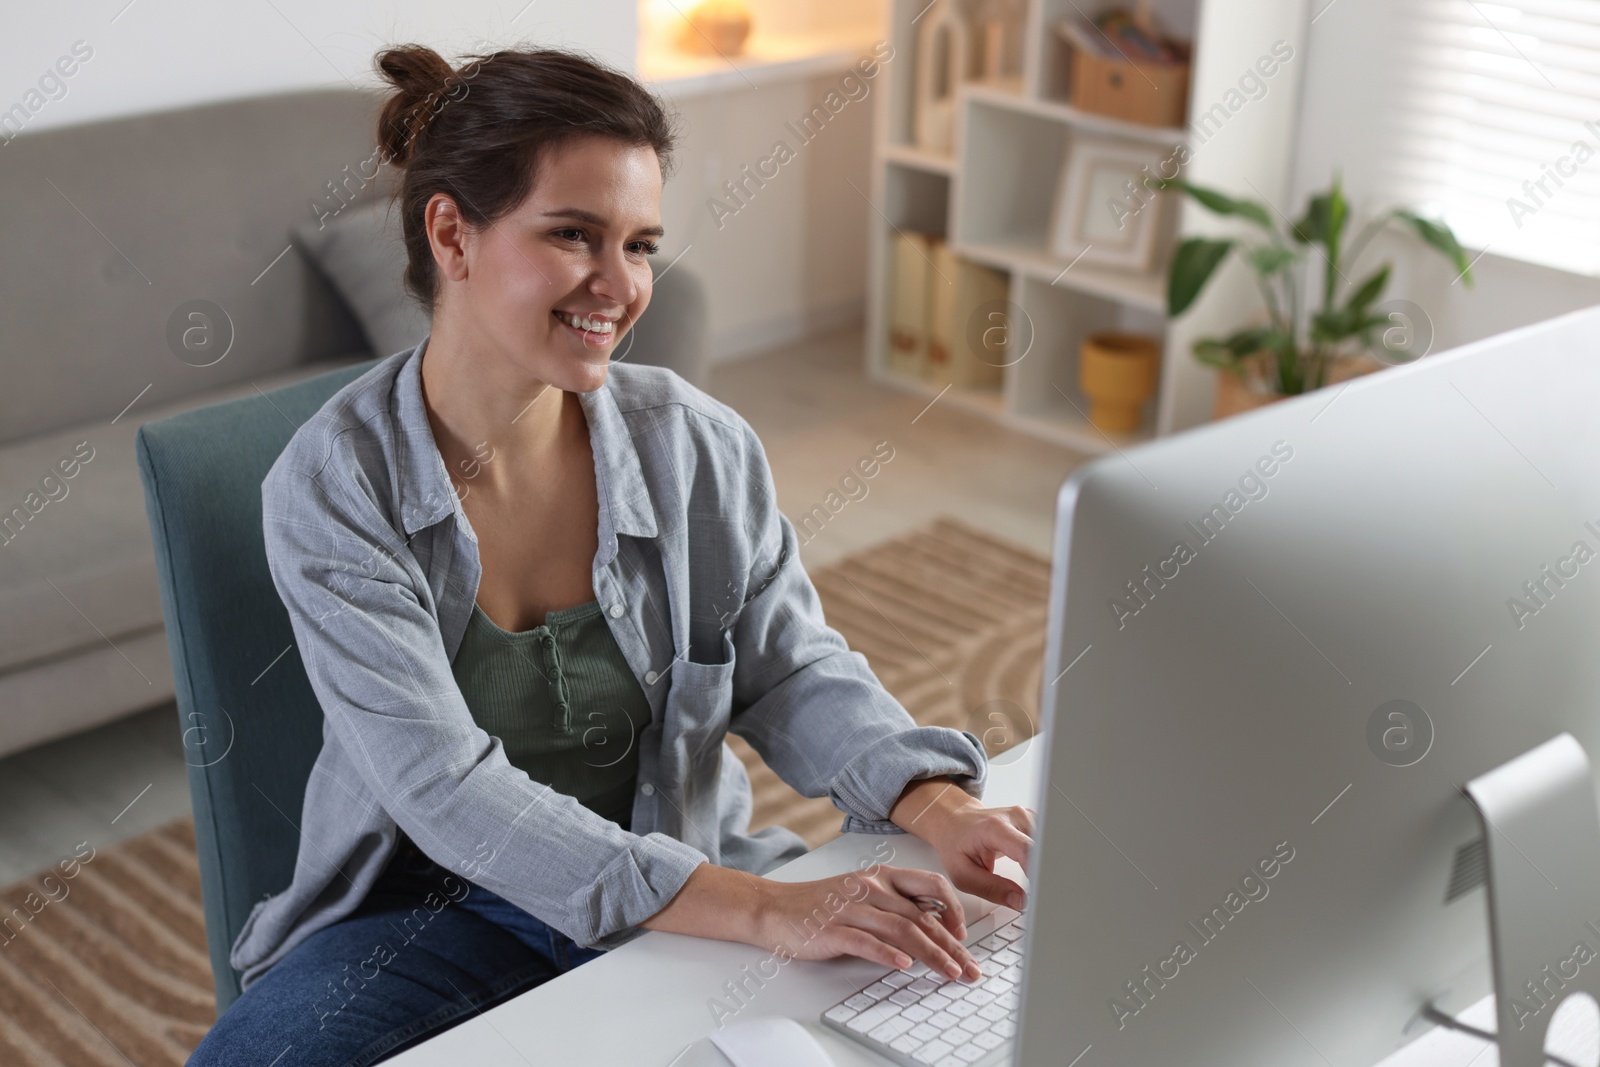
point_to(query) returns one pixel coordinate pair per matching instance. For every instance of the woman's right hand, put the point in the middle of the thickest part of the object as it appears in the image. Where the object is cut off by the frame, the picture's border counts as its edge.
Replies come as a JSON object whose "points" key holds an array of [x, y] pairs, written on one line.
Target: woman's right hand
{"points": [[867, 914]]}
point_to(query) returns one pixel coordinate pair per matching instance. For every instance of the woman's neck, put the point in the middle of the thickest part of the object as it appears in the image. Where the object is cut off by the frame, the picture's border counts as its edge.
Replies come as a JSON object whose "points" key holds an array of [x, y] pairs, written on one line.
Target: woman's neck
{"points": [[483, 407]]}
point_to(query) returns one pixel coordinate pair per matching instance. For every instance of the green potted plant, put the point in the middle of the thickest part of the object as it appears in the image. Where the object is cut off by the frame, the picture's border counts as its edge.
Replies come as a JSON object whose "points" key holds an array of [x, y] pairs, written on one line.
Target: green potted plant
{"points": [[1298, 349]]}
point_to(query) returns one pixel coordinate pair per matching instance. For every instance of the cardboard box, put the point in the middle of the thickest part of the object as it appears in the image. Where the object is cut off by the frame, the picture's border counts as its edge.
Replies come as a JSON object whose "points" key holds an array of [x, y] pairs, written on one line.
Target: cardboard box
{"points": [[958, 292], [1151, 94], [908, 305]]}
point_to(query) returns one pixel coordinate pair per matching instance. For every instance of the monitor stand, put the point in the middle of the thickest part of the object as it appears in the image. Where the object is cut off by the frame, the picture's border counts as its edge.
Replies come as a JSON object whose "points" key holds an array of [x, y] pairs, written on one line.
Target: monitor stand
{"points": [[1542, 831]]}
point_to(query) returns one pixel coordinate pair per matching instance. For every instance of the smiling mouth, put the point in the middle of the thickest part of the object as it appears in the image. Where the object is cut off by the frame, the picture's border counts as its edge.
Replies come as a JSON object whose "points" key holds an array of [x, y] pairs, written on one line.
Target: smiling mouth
{"points": [[594, 328]]}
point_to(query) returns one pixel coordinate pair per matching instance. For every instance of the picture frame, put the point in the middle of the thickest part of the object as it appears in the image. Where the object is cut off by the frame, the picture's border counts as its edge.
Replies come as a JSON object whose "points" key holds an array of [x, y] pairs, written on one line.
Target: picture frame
{"points": [[1096, 217]]}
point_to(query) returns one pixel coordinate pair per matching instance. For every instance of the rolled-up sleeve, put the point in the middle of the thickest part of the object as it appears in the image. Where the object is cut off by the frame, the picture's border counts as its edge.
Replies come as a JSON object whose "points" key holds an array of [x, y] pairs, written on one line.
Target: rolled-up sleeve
{"points": [[808, 703], [376, 660]]}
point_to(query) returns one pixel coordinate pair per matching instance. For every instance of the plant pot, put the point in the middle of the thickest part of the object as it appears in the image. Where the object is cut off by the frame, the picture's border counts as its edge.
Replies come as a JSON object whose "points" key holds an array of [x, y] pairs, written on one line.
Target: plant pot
{"points": [[1117, 371], [1241, 393]]}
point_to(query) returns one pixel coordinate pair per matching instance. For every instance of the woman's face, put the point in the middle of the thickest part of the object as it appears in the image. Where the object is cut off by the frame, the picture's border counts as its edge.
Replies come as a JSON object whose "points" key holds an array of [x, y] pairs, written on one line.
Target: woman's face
{"points": [[556, 283]]}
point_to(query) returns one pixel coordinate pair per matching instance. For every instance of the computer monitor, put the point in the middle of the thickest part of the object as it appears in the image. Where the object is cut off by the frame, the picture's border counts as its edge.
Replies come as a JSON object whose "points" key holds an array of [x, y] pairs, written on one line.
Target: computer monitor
{"points": [[1278, 648]]}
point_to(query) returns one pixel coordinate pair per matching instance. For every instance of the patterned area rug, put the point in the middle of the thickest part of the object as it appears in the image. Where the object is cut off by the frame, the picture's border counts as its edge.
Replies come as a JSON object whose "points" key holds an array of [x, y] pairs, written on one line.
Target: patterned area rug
{"points": [[108, 968]]}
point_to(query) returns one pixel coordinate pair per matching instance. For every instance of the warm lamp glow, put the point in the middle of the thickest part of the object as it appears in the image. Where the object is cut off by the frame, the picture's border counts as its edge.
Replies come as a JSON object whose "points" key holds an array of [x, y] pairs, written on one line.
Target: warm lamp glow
{"points": [[716, 27]]}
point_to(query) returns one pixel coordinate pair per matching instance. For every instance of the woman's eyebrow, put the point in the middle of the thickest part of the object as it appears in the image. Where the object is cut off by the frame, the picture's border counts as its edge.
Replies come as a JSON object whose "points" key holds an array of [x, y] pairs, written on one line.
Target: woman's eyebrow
{"points": [[595, 220]]}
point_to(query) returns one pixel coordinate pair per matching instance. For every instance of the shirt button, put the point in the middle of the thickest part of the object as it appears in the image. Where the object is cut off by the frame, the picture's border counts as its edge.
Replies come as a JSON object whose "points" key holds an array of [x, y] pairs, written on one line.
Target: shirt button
{"points": [[648, 790], [650, 677], [616, 611]]}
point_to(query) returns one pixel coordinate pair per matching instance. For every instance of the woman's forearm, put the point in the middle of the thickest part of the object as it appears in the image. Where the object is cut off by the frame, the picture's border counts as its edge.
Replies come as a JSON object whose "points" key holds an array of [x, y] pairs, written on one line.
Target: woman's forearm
{"points": [[926, 805], [716, 902]]}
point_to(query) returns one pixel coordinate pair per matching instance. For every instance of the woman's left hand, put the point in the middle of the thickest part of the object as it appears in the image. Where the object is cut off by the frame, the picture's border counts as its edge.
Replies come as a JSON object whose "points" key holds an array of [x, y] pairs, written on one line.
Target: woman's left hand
{"points": [[968, 836]]}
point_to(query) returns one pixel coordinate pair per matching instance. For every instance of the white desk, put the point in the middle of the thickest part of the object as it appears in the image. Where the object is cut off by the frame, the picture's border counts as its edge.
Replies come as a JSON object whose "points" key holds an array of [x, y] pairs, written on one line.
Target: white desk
{"points": [[647, 1004]]}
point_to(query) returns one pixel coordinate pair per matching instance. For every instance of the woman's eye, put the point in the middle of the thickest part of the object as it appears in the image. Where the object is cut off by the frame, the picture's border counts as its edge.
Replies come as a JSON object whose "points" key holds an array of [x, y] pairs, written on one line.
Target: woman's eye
{"points": [[646, 248], [570, 234]]}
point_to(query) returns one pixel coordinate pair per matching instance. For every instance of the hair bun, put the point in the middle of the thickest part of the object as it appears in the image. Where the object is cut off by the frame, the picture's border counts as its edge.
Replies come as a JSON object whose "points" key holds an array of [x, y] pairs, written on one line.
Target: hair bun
{"points": [[419, 75]]}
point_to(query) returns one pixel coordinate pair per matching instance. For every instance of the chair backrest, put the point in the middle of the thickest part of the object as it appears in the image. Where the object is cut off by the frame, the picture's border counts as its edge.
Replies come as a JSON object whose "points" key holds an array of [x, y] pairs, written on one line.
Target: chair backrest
{"points": [[251, 723]]}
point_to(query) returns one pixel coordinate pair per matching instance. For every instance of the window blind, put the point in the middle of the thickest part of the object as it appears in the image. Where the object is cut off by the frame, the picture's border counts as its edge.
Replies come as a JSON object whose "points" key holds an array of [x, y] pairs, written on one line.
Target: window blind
{"points": [[1496, 126]]}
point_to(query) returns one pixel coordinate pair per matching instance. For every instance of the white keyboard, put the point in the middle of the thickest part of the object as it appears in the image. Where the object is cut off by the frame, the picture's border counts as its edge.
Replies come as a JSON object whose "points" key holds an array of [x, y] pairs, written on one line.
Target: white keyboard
{"points": [[922, 1019]]}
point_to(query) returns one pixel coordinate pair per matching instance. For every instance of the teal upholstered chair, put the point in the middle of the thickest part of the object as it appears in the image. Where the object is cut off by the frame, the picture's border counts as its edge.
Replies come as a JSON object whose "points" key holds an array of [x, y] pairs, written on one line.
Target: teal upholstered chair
{"points": [[251, 723]]}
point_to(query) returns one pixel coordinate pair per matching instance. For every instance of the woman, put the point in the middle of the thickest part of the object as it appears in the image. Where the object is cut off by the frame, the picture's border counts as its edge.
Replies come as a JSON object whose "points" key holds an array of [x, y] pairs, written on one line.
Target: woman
{"points": [[527, 674]]}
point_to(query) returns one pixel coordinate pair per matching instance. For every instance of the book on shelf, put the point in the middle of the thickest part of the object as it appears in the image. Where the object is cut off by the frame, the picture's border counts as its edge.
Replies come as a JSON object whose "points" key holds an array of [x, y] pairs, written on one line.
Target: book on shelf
{"points": [[908, 307], [962, 298]]}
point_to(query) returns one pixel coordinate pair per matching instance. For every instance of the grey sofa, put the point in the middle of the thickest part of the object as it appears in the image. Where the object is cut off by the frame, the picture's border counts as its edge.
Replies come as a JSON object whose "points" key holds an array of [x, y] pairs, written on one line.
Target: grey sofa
{"points": [[113, 231]]}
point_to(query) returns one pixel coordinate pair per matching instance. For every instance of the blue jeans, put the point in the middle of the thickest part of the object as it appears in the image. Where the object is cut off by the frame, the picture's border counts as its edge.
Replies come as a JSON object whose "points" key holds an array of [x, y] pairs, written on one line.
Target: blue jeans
{"points": [[426, 949]]}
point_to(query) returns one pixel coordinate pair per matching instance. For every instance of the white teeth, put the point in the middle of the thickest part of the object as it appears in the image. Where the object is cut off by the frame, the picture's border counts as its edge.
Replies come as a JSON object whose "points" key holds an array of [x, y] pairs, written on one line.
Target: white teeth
{"points": [[584, 322]]}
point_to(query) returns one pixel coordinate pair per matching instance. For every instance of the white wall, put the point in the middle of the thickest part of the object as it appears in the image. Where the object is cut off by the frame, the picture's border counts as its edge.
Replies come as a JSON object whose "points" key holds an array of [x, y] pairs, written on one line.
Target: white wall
{"points": [[153, 55], [1354, 66], [791, 260]]}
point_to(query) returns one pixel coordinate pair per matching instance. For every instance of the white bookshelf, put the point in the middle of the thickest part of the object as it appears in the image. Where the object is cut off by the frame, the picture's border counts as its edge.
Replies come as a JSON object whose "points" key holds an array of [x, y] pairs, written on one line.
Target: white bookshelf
{"points": [[992, 198]]}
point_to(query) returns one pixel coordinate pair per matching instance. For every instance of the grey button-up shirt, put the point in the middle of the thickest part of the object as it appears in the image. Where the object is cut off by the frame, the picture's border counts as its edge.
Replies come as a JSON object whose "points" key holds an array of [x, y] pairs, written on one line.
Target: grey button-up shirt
{"points": [[701, 585]]}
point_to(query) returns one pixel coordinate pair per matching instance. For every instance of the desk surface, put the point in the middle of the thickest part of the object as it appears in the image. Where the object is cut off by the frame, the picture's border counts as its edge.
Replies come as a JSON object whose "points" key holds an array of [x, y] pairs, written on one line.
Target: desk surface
{"points": [[657, 992]]}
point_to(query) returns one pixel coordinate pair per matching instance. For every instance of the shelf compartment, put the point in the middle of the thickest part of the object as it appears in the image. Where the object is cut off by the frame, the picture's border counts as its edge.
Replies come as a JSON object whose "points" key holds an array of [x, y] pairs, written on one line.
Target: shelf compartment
{"points": [[1046, 52], [1009, 163], [916, 200], [1043, 385]]}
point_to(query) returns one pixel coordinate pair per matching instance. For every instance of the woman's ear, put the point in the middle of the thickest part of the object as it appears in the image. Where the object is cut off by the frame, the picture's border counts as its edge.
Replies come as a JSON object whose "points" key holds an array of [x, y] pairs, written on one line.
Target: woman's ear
{"points": [[447, 236]]}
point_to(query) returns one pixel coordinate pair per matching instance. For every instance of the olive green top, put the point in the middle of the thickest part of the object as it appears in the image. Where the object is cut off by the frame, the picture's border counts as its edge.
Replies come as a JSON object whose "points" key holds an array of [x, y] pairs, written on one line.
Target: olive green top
{"points": [[563, 702]]}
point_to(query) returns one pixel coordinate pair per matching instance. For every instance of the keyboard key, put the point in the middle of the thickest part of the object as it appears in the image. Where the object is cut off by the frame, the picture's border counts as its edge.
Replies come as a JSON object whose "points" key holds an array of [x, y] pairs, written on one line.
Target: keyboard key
{"points": [[936, 1001], [922, 1031], [872, 1017], [889, 1030], [996, 984], [839, 1013], [918, 969], [932, 1052], [1005, 1028], [958, 1036], [961, 1009], [943, 1020], [1011, 931], [971, 1053], [993, 943], [979, 997], [916, 1013], [922, 987], [879, 990], [898, 979], [906, 1043], [950, 1061], [994, 1012], [973, 1024], [903, 997], [1006, 957], [859, 1002], [990, 1040]]}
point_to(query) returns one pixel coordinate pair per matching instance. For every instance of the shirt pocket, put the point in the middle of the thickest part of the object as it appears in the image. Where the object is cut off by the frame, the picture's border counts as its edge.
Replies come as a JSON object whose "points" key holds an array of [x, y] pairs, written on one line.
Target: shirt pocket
{"points": [[701, 700]]}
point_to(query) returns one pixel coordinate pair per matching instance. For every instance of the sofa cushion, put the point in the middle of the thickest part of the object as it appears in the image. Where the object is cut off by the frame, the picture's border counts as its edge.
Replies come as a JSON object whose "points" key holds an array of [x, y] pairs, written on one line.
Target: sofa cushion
{"points": [[77, 567], [363, 254]]}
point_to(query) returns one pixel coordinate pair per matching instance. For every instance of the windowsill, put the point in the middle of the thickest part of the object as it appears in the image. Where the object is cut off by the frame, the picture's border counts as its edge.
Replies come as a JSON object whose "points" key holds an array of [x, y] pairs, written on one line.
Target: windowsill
{"points": [[766, 58]]}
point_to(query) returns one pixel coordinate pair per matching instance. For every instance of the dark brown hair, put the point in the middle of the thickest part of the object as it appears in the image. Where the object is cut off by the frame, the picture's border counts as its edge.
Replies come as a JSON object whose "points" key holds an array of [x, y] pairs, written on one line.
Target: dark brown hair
{"points": [[478, 134]]}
